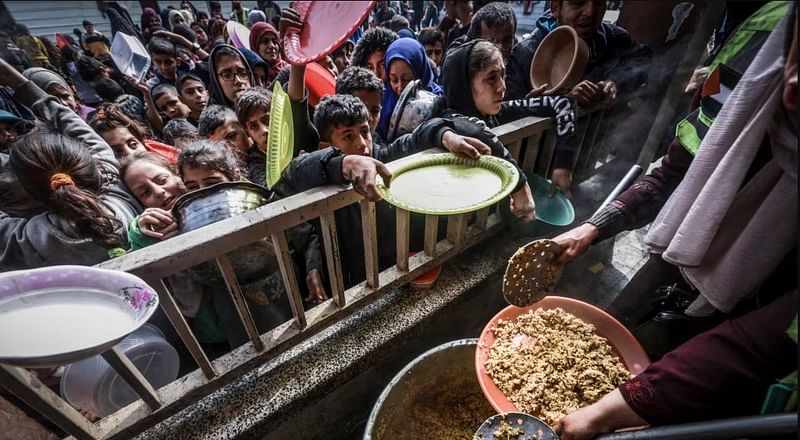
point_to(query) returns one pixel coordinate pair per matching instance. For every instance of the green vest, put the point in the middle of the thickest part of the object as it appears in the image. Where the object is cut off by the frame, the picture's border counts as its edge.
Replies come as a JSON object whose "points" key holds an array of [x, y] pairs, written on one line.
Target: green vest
{"points": [[726, 70]]}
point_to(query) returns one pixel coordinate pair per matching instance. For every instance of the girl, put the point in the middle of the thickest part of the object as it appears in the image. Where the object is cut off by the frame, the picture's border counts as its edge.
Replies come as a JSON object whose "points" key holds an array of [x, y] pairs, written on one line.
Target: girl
{"points": [[71, 179], [483, 64], [404, 62], [126, 136], [201, 33], [264, 40], [230, 75]]}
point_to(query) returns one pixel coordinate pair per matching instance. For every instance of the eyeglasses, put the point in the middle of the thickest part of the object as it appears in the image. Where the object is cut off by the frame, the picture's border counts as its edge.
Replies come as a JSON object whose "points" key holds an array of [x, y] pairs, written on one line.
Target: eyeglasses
{"points": [[228, 75]]}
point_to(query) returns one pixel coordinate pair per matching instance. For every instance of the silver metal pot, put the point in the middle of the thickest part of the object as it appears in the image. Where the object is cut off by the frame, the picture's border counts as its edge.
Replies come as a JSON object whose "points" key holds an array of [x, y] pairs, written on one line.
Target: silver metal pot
{"points": [[218, 202], [448, 366], [415, 106]]}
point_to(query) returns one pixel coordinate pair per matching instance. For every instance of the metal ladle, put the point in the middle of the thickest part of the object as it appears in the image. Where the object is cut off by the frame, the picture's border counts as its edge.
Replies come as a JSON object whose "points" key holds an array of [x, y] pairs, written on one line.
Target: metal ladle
{"points": [[531, 274], [768, 425]]}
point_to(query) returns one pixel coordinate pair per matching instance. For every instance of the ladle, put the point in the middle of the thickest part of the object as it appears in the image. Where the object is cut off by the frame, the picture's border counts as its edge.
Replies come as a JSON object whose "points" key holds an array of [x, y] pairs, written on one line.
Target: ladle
{"points": [[740, 427], [531, 274]]}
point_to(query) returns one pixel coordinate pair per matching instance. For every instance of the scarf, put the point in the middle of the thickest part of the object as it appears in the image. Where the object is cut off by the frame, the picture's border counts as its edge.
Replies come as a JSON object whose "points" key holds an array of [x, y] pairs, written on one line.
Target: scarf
{"points": [[725, 237], [412, 52], [256, 32]]}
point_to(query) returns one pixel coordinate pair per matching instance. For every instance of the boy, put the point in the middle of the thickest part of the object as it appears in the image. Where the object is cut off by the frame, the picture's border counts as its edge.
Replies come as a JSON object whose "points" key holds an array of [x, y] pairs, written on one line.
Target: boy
{"points": [[219, 123], [165, 96], [432, 40], [179, 133], [165, 58], [193, 92], [364, 85]]}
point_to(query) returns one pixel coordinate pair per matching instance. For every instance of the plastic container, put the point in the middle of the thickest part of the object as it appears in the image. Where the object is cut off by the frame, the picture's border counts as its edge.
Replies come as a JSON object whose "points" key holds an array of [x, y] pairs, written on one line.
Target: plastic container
{"points": [[94, 386], [560, 60]]}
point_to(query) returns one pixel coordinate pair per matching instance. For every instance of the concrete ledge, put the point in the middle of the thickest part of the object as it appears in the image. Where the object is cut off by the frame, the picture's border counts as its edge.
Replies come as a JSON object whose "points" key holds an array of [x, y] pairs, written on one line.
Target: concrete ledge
{"points": [[325, 387]]}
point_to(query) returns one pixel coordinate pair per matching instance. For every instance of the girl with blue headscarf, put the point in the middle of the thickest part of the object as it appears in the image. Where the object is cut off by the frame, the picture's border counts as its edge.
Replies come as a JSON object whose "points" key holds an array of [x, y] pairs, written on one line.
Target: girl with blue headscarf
{"points": [[405, 61]]}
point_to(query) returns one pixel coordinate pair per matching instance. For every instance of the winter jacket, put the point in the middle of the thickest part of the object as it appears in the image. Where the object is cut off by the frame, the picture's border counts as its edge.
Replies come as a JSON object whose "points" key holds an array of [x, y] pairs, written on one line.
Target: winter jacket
{"points": [[48, 239], [459, 103], [612, 55]]}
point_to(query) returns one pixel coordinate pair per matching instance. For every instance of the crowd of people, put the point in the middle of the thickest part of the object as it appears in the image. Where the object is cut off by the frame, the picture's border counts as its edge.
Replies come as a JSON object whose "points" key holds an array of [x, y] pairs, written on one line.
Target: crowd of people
{"points": [[92, 161]]}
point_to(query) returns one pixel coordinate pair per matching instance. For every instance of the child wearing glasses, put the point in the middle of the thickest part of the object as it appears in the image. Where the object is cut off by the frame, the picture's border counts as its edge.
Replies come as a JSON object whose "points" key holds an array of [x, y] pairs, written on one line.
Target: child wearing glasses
{"points": [[230, 75]]}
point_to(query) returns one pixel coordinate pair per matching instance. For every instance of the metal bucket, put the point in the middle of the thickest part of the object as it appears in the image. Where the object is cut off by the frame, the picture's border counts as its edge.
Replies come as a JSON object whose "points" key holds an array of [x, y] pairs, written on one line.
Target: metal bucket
{"points": [[445, 374], [219, 202]]}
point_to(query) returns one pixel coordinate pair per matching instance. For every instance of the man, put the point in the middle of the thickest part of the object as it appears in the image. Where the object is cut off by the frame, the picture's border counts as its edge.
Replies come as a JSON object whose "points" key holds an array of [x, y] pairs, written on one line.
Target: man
{"points": [[383, 13], [238, 13], [616, 63]]}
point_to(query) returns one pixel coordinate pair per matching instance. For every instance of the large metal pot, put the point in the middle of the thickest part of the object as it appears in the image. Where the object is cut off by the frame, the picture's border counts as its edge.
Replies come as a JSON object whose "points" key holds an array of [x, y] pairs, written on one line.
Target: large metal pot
{"points": [[438, 389], [218, 202], [414, 106]]}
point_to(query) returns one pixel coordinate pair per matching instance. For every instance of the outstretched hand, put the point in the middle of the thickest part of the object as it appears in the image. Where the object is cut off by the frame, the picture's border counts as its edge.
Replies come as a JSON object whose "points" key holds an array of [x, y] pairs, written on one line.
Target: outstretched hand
{"points": [[290, 19], [362, 172], [465, 145], [575, 242]]}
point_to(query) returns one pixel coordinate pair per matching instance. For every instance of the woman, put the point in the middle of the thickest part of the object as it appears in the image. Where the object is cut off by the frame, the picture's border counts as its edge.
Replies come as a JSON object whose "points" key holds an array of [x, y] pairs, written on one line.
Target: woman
{"points": [[405, 61], [230, 75], [151, 22], [265, 41], [201, 33], [477, 66]]}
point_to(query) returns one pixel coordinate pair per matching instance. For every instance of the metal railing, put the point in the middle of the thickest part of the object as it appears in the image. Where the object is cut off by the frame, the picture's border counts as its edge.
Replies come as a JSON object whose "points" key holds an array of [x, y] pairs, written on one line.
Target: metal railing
{"points": [[531, 141]]}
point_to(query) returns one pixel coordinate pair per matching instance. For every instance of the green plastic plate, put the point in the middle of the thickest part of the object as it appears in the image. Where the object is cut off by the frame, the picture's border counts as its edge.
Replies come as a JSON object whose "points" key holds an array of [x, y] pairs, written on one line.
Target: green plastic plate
{"points": [[446, 184], [556, 210], [280, 141]]}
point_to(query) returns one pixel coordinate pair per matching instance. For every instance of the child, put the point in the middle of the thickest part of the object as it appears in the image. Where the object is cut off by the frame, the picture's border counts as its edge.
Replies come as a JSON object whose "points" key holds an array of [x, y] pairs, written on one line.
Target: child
{"points": [[168, 103], [259, 66], [364, 85], [219, 123], [179, 132], [9, 130], [371, 48], [230, 75], [342, 55], [72, 176], [193, 92], [165, 59], [432, 40], [126, 136]]}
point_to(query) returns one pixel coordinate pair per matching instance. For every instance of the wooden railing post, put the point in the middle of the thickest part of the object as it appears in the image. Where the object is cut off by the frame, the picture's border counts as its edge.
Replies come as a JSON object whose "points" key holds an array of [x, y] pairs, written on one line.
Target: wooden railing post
{"points": [[333, 257], [289, 278], [431, 234], [403, 234], [239, 302], [370, 235], [36, 394], [130, 374]]}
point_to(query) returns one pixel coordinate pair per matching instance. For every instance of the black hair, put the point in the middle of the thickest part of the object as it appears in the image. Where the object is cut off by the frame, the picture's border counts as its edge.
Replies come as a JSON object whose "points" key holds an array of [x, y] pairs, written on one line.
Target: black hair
{"points": [[214, 5], [482, 53], [209, 154], [201, 15], [90, 69], [162, 89], [340, 50], [109, 117], [87, 23], [356, 78], [212, 117], [430, 36], [337, 110], [186, 77], [131, 106], [186, 32], [37, 157], [229, 52], [398, 22], [373, 40], [177, 130], [21, 29], [493, 14], [251, 99], [108, 89], [161, 46]]}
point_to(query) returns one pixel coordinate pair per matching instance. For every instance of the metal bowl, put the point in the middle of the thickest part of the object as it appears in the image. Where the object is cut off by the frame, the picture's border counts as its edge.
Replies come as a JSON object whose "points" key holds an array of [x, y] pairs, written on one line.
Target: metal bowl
{"points": [[218, 202], [415, 106], [437, 378]]}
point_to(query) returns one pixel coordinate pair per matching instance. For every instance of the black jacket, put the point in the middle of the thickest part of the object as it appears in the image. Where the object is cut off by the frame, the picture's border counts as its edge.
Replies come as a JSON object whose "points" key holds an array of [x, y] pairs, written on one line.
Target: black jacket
{"points": [[459, 104], [612, 55]]}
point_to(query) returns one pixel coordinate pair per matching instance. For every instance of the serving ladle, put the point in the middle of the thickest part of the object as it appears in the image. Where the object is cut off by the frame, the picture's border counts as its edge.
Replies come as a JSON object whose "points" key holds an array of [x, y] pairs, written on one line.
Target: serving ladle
{"points": [[769, 425]]}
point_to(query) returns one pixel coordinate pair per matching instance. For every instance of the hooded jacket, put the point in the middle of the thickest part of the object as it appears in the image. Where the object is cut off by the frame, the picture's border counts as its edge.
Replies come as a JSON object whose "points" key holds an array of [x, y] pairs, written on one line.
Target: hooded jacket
{"points": [[459, 104], [217, 96], [612, 55], [412, 52]]}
